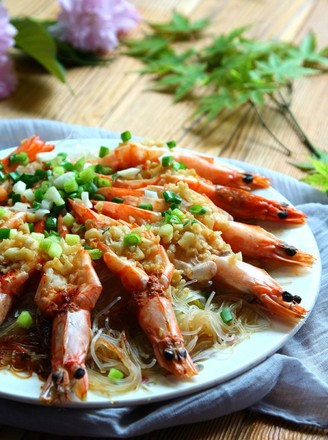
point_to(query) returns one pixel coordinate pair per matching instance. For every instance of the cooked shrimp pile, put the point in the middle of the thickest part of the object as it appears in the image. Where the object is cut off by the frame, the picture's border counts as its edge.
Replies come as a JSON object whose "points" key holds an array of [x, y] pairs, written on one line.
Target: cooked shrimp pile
{"points": [[138, 260]]}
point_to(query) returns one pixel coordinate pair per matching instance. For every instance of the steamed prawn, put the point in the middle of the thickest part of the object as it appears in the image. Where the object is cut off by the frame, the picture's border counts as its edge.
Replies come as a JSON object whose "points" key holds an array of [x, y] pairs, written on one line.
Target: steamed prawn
{"points": [[203, 256], [145, 272], [256, 244], [131, 154], [68, 291]]}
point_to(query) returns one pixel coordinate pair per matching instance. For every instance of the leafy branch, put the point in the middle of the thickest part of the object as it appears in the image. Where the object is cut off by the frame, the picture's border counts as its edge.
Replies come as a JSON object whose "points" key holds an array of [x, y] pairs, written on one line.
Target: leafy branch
{"points": [[226, 71]]}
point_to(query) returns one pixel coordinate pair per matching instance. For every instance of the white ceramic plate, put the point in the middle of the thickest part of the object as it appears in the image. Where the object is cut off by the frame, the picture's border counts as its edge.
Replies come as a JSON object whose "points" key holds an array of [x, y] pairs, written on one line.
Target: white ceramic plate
{"points": [[226, 364]]}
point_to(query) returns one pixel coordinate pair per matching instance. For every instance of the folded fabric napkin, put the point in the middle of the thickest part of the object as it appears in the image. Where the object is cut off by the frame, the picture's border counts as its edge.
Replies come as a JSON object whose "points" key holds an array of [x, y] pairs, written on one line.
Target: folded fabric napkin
{"points": [[292, 383]]}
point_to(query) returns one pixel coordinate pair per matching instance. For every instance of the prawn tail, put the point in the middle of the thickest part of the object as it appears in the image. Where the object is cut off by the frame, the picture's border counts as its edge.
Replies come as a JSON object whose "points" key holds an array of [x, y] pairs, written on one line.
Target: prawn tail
{"points": [[32, 146]]}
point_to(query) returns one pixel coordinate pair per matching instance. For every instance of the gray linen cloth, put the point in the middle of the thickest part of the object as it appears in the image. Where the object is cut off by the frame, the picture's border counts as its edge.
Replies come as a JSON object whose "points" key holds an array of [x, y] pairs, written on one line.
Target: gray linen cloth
{"points": [[292, 383]]}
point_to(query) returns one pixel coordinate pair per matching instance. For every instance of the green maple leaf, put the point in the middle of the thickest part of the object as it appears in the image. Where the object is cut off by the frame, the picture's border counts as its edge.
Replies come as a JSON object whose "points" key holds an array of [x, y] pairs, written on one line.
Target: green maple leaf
{"points": [[213, 104], [307, 53], [282, 70], [183, 79], [167, 62], [319, 178], [149, 47], [180, 27]]}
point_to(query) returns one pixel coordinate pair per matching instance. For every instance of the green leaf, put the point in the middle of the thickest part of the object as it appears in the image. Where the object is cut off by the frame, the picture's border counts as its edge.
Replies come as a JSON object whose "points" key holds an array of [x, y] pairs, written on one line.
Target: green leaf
{"points": [[213, 104], [149, 47], [319, 176], [35, 41], [183, 80], [70, 56], [283, 70], [167, 62], [180, 27], [307, 53]]}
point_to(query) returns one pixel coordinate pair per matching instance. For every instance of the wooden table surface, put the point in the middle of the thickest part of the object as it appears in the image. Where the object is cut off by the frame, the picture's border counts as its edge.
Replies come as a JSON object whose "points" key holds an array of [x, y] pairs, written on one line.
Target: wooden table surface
{"points": [[115, 97]]}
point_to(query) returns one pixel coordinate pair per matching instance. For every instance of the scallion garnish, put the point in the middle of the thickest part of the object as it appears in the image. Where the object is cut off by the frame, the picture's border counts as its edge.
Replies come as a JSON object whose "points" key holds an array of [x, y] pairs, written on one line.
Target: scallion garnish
{"points": [[24, 320], [19, 158], [197, 210], [171, 144], [147, 206], [171, 197], [117, 200], [103, 151], [167, 161], [4, 233], [132, 239], [226, 315], [126, 136]]}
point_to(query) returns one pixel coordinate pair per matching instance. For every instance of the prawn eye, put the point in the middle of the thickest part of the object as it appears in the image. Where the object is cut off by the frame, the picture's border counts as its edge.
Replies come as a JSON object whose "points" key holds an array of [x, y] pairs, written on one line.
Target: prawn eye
{"points": [[168, 354], [79, 373], [286, 296], [290, 251], [248, 178], [283, 214]]}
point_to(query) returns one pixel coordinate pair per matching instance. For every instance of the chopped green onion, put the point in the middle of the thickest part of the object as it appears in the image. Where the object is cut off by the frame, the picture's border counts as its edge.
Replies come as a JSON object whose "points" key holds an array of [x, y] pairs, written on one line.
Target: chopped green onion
{"points": [[132, 239], [79, 165], [68, 166], [55, 250], [59, 170], [100, 197], [197, 210], [102, 169], [147, 206], [117, 200], [4, 233], [68, 220], [72, 239], [95, 254], [24, 320], [14, 175], [171, 144], [178, 213], [102, 182], [167, 161], [3, 212], [126, 136], [38, 195], [71, 186], [31, 227], [88, 174], [16, 198], [103, 151], [2, 176], [171, 197], [226, 315], [114, 373], [52, 194], [178, 166], [51, 223], [19, 158]]}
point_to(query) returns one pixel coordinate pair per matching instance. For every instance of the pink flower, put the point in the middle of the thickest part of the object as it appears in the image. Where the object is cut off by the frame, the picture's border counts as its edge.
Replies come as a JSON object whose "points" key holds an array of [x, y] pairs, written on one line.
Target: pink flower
{"points": [[94, 25], [8, 79]]}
